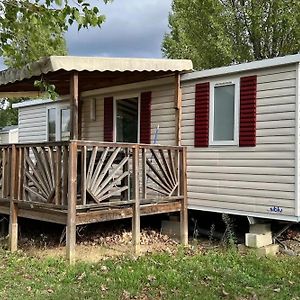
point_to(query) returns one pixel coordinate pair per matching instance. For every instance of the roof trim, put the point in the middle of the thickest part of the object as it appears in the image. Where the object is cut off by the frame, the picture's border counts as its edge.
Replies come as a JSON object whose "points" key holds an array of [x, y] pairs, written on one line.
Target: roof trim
{"points": [[36, 102], [92, 64], [255, 65]]}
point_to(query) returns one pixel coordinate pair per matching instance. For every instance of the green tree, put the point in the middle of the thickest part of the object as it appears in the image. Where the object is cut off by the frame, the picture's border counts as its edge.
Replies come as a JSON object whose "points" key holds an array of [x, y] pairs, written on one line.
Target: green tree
{"points": [[33, 29], [55, 14], [33, 41], [215, 33]]}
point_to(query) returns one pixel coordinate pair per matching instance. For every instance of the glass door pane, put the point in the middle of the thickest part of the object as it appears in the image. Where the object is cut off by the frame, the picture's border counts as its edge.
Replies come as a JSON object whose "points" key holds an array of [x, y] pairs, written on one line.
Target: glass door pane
{"points": [[127, 120]]}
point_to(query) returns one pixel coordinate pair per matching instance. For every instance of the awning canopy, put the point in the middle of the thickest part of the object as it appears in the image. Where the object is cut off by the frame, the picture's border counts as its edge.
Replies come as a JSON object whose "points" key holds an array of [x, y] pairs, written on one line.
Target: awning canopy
{"points": [[94, 72]]}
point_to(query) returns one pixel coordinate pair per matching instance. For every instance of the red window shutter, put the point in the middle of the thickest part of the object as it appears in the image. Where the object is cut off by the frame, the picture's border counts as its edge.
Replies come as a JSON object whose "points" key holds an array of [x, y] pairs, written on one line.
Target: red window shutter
{"points": [[108, 119], [202, 115], [248, 88], [145, 118]]}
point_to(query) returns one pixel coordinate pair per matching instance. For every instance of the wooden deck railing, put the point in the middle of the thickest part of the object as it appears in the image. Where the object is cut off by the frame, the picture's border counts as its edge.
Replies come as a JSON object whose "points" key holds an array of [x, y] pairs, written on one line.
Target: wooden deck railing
{"points": [[97, 174], [79, 179]]}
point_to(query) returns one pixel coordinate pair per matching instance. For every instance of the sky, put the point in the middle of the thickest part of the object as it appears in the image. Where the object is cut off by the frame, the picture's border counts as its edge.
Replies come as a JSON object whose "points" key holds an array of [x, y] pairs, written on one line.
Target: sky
{"points": [[133, 28]]}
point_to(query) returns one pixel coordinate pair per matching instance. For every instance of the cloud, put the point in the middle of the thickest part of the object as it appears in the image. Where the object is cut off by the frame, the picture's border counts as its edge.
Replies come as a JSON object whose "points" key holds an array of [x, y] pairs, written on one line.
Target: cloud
{"points": [[133, 28]]}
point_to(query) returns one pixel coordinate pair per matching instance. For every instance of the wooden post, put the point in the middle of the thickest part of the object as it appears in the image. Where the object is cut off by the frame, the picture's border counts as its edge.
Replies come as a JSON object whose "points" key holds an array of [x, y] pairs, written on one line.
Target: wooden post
{"points": [[74, 97], [13, 215], [136, 222], [72, 198], [178, 109], [184, 210]]}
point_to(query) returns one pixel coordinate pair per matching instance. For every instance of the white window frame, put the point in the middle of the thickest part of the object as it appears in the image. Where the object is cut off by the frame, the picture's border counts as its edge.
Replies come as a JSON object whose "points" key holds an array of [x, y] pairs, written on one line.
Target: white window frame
{"points": [[57, 121], [124, 97], [213, 84]]}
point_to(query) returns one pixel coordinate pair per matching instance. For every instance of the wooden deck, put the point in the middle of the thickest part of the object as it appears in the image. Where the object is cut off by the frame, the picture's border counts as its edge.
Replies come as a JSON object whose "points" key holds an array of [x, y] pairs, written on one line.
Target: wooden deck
{"points": [[82, 182]]}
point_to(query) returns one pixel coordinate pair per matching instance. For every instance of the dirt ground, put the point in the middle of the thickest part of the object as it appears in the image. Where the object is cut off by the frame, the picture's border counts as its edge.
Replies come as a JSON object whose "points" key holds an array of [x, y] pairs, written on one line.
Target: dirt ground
{"points": [[102, 241]]}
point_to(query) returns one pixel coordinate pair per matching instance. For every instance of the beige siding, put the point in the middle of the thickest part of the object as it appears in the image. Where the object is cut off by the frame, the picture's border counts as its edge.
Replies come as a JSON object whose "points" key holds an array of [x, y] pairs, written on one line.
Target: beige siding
{"points": [[162, 110], [92, 130], [33, 122], [248, 180]]}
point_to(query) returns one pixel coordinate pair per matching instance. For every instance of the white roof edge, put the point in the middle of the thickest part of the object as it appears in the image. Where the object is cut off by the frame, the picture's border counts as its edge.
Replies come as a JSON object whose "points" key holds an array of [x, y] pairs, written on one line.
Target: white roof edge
{"points": [[34, 102], [259, 64]]}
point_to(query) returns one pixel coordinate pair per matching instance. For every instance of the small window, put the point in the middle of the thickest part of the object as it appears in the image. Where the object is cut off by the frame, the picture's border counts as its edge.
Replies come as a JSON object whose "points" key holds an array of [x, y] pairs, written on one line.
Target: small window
{"points": [[52, 125], [224, 114], [127, 114], [65, 124]]}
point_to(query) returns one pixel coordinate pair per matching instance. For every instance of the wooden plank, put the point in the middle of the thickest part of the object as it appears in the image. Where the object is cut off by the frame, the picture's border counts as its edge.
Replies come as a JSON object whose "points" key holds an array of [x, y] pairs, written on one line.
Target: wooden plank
{"points": [[33, 204], [42, 214], [13, 214], [3, 179], [72, 198], [118, 214], [123, 203], [98, 168], [183, 192], [46, 163], [74, 98], [35, 193], [172, 164], [162, 182], [36, 173], [64, 200], [116, 192], [144, 174], [37, 184], [52, 164], [58, 174], [21, 173], [136, 217], [98, 190], [104, 172], [164, 190], [168, 181], [167, 167], [26, 168], [114, 183], [83, 174], [91, 166], [41, 168]]}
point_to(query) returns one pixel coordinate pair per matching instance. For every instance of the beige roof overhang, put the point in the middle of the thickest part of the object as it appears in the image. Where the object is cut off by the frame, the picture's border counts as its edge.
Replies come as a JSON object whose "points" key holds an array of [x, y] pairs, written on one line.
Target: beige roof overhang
{"points": [[94, 72]]}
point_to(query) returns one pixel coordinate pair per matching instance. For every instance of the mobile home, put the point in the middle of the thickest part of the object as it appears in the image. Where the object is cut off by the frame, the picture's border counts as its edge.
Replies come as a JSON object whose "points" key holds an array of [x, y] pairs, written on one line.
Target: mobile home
{"points": [[239, 124]]}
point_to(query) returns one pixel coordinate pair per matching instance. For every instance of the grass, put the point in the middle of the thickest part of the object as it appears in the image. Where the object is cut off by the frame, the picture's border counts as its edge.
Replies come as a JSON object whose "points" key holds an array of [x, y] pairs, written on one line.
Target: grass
{"points": [[212, 275]]}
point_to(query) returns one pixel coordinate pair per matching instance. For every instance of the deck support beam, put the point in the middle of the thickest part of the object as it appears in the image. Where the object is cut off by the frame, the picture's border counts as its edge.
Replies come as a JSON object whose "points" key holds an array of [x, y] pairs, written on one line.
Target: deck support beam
{"points": [[13, 214], [136, 214], [184, 209], [72, 198], [74, 98]]}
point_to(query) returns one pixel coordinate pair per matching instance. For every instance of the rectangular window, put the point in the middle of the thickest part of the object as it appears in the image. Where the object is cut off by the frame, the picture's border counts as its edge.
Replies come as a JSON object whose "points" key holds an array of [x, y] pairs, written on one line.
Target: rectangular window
{"points": [[65, 124], [52, 124], [127, 120], [224, 104]]}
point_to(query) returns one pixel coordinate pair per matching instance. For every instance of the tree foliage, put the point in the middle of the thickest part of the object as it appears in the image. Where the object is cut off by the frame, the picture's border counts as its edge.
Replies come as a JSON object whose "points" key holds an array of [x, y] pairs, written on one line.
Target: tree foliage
{"points": [[30, 29], [21, 16], [32, 41], [215, 33]]}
